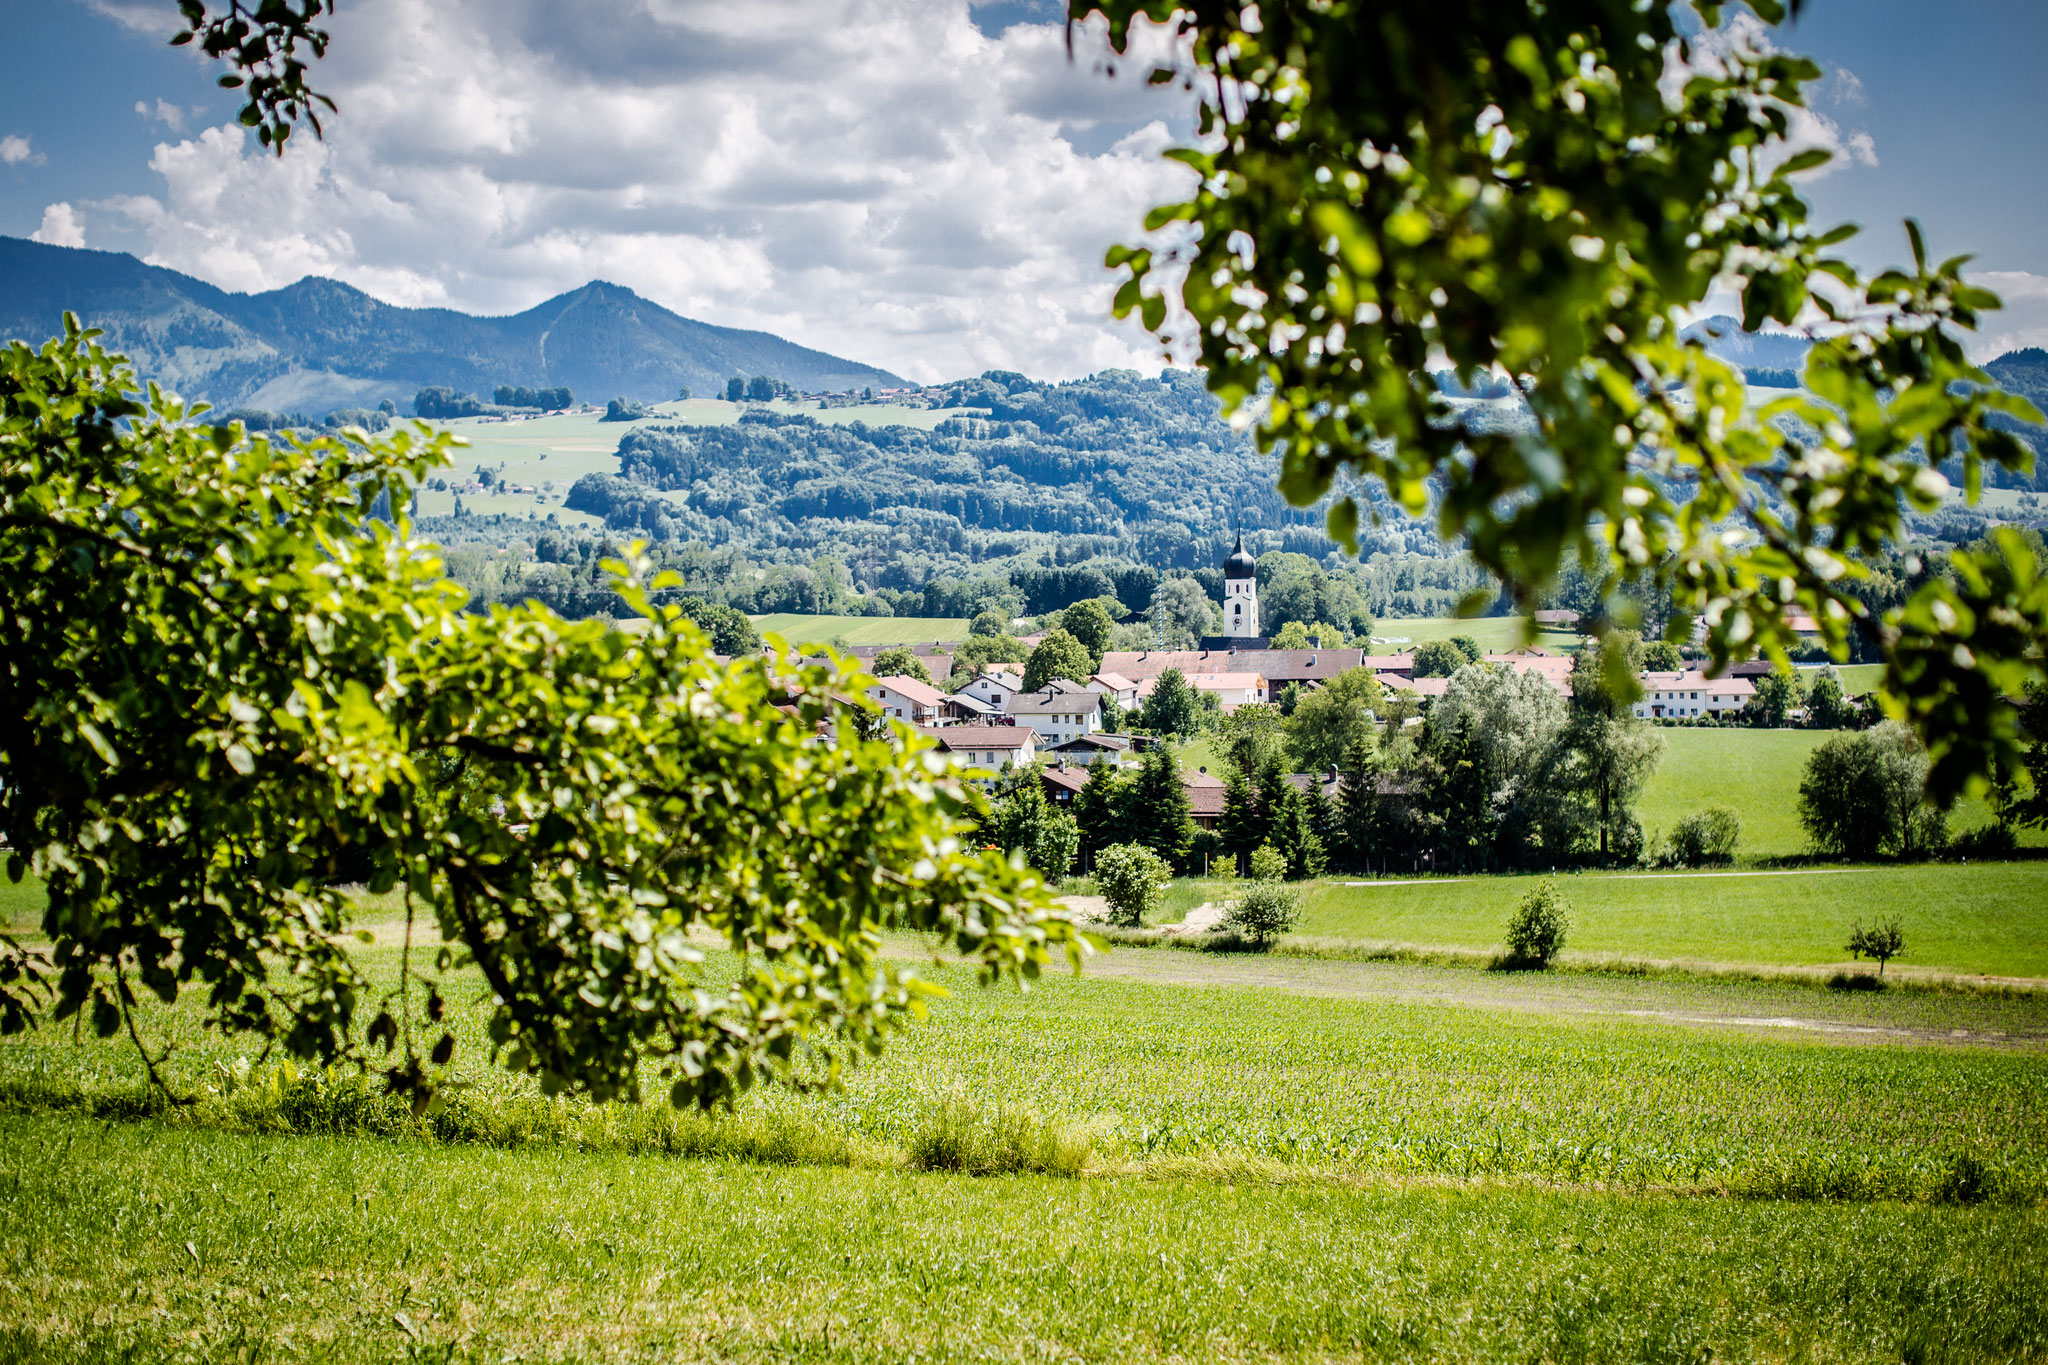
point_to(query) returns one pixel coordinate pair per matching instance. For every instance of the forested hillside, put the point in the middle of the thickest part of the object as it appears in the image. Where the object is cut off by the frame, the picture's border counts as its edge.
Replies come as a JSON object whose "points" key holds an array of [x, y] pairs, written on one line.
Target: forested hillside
{"points": [[1094, 487]]}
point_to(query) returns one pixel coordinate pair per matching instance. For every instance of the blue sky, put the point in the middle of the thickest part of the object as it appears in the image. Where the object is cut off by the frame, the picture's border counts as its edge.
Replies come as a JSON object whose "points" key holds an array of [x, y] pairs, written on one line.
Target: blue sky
{"points": [[924, 186]]}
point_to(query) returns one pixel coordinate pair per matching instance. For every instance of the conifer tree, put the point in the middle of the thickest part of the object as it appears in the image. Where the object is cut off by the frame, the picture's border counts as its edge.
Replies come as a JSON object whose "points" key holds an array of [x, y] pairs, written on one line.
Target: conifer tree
{"points": [[1240, 830], [1158, 812]]}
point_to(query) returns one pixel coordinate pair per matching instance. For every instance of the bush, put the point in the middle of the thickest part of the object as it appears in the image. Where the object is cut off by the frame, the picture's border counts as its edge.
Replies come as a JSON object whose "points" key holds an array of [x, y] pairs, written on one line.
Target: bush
{"points": [[1268, 864], [1706, 838], [1985, 843], [1537, 929], [1132, 878], [1263, 911]]}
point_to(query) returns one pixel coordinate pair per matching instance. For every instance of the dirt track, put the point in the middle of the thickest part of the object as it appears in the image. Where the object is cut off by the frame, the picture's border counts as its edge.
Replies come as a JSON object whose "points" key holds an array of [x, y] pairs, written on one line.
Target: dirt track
{"points": [[1761, 1008]]}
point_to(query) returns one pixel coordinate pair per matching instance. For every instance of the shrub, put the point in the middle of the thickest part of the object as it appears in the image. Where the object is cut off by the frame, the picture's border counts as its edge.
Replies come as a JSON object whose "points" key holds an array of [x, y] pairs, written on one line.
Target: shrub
{"points": [[1263, 911], [1986, 842], [1268, 864], [1537, 929], [1706, 838], [1131, 877]]}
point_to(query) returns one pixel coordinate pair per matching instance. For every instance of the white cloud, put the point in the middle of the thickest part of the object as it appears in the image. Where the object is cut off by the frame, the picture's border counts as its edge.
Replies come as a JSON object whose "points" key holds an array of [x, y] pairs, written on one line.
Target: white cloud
{"points": [[2022, 322], [62, 226], [16, 150], [164, 112], [874, 178], [1807, 128]]}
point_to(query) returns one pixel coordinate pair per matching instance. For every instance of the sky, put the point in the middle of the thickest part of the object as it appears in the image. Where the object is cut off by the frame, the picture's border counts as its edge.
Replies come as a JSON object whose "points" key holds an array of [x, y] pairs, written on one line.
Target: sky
{"points": [[925, 185]]}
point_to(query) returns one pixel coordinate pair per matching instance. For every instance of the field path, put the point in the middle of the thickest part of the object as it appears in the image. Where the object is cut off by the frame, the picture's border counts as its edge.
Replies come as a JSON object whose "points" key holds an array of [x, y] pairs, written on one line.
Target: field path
{"points": [[1764, 1008]]}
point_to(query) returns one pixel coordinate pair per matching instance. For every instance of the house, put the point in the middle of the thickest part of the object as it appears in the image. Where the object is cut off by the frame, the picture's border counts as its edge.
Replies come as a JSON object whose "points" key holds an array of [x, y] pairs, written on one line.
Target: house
{"points": [[1059, 712], [908, 700], [1231, 690], [1091, 749], [1116, 687], [990, 747], [994, 686], [1688, 694], [1205, 792], [1205, 797], [1558, 619], [970, 710]]}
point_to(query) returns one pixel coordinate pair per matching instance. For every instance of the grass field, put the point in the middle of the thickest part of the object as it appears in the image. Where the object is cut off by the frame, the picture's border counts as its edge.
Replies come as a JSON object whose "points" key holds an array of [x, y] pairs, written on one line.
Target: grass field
{"points": [[1266, 1174], [563, 447], [140, 1244], [862, 630], [1987, 918]]}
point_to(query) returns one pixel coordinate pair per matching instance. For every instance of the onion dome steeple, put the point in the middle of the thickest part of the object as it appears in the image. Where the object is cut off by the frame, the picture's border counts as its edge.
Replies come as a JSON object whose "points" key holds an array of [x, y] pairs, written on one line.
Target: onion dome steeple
{"points": [[1240, 564]]}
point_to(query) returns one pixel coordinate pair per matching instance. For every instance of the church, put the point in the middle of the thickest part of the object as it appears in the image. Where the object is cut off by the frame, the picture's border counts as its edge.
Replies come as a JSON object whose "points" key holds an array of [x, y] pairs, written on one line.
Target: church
{"points": [[1240, 603]]}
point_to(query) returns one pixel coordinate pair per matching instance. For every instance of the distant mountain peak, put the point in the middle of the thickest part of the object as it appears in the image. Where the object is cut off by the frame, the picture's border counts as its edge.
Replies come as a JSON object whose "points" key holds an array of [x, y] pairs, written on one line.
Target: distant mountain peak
{"points": [[318, 343]]}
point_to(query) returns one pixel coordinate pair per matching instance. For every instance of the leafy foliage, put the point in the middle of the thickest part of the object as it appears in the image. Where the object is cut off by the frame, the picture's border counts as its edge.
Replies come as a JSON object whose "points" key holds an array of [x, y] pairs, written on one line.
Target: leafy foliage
{"points": [[228, 687], [1538, 927], [1023, 821], [1133, 881], [1173, 708], [1263, 909], [1542, 192], [1706, 838], [1864, 793], [1882, 939], [1058, 657], [899, 663]]}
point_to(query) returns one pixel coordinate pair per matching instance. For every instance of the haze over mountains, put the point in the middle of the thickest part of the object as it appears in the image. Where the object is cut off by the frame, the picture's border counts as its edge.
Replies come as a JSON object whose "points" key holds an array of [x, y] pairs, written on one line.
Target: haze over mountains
{"points": [[319, 344]]}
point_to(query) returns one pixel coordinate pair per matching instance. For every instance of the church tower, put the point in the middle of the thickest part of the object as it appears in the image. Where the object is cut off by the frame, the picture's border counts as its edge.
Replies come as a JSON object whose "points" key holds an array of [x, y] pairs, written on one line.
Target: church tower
{"points": [[1240, 595]]}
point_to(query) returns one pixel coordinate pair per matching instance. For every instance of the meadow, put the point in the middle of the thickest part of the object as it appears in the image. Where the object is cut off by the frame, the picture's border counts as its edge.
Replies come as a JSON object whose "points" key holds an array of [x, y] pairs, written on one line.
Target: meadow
{"points": [[562, 447], [132, 1242], [1352, 1159], [1986, 918]]}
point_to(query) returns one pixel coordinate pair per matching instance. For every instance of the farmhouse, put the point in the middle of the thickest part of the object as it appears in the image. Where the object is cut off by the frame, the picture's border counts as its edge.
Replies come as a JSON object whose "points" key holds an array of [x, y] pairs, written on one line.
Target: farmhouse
{"points": [[986, 746], [1091, 749], [1059, 712], [907, 699], [1231, 690], [1690, 694], [995, 686], [1116, 687]]}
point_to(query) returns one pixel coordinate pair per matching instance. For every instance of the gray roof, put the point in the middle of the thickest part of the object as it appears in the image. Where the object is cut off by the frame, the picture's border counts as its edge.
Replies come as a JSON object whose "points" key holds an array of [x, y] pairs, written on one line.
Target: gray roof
{"points": [[1054, 703]]}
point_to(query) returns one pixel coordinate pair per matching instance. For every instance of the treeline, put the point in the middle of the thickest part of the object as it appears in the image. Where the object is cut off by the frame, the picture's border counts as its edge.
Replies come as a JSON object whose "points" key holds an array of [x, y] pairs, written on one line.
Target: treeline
{"points": [[547, 400], [440, 403]]}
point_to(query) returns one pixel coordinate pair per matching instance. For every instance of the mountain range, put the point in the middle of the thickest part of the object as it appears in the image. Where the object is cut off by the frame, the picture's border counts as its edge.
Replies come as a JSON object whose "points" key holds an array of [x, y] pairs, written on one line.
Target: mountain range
{"points": [[320, 344]]}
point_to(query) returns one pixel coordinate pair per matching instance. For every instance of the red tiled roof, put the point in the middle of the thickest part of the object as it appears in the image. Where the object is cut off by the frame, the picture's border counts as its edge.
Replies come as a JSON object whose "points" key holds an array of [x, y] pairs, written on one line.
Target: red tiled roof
{"points": [[924, 694]]}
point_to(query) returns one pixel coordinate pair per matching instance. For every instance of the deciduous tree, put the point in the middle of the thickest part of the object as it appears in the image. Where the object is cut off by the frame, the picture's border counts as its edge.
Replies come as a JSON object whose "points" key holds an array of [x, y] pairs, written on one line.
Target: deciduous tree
{"points": [[1543, 194], [225, 683]]}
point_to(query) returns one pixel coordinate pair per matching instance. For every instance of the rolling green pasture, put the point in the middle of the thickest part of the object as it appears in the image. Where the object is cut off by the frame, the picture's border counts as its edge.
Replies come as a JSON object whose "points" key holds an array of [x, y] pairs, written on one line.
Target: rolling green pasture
{"points": [[562, 447], [862, 630], [1989, 918], [1755, 773], [131, 1242], [1494, 634]]}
